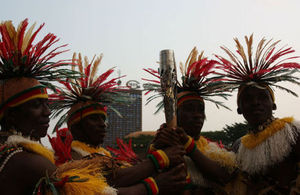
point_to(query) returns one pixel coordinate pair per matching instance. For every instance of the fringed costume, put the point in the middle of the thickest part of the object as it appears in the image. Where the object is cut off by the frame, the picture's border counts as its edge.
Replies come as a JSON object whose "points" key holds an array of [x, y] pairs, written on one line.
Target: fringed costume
{"points": [[26, 72], [263, 153], [87, 96]]}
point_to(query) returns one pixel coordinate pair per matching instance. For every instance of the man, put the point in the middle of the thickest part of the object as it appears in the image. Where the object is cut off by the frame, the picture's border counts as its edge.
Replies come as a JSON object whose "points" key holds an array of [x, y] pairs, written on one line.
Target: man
{"points": [[268, 155], [207, 162], [26, 72], [86, 100]]}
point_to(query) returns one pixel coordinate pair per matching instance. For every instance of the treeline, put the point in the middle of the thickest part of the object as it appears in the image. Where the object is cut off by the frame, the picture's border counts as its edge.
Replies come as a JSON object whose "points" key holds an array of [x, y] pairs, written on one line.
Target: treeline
{"points": [[226, 136]]}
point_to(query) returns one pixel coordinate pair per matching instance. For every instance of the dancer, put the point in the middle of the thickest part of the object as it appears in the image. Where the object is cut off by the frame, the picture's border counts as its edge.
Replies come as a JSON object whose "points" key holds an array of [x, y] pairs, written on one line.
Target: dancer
{"points": [[268, 155]]}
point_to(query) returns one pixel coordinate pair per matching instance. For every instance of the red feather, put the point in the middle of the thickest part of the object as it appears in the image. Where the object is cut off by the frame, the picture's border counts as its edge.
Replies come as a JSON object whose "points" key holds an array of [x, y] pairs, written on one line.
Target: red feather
{"points": [[29, 46], [87, 72], [152, 72], [61, 145], [263, 63], [125, 152], [7, 42], [103, 77]]}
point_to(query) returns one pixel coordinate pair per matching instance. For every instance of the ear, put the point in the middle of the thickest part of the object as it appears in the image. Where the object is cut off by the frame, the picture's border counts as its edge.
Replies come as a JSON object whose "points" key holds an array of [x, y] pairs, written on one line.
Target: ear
{"points": [[239, 111], [274, 106], [10, 116]]}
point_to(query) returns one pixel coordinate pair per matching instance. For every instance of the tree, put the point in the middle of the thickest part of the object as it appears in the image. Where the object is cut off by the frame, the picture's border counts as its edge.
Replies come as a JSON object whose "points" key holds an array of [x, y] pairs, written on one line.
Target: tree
{"points": [[229, 134], [235, 131]]}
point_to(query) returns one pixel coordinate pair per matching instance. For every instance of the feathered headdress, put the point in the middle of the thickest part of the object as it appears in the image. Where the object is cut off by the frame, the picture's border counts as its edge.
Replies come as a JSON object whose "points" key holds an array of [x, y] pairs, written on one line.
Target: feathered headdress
{"points": [[87, 95], [25, 68], [197, 81], [153, 85], [264, 68]]}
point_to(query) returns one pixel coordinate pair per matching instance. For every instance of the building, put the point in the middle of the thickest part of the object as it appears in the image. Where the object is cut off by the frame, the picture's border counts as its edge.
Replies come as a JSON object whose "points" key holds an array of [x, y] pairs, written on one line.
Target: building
{"points": [[131, 120]]}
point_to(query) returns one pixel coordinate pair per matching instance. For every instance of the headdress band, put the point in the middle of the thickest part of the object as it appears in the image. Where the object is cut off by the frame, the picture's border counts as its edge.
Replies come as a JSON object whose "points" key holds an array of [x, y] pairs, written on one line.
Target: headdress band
{"points": [[84, 111]]}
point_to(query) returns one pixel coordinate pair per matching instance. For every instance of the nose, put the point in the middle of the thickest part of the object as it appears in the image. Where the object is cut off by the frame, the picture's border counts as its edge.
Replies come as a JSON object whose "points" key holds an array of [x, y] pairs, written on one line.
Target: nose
{"points": [[46, 109], [197, 115], [103, 126], [254, 101]]}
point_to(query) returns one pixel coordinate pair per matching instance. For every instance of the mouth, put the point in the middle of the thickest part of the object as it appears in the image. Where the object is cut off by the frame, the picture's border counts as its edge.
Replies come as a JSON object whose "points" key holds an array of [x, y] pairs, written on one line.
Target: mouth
{"points": [[257, 111], [44, 123], [101, 132], [198, 122]]}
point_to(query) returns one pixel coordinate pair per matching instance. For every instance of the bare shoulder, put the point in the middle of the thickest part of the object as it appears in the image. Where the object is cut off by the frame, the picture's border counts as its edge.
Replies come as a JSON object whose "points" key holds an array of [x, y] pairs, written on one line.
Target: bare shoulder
{"points": [[22, 171]]}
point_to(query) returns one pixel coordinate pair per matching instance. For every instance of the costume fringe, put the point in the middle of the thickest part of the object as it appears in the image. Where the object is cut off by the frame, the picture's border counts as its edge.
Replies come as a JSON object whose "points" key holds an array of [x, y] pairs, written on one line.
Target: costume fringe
{"points": [[107, 163], [251, 140], [84, 150], [236, 187], [32, 146], [271, 151], [214, 152], [87, 170], [196, 176], [81, 152], [84, 169]]}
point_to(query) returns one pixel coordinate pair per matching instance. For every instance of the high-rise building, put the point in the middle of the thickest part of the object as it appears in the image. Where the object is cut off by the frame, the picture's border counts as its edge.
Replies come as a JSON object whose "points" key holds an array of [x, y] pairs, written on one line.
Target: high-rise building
{"points": [[130, 121]]}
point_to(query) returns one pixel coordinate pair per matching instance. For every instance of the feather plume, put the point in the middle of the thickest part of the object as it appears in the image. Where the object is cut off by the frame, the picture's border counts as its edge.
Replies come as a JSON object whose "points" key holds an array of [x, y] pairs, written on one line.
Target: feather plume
{"points": [[95, 67], [61, 145], [19, 57], [268, 66], [125, 152], [197, 76], [80, 65], [100, 90]]}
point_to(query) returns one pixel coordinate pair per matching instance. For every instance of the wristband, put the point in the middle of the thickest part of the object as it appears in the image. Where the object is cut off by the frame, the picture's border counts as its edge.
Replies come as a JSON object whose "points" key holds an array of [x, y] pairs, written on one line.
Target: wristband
{"points": [[151, 186], [160, 159], [190, 146], [151, 149]]}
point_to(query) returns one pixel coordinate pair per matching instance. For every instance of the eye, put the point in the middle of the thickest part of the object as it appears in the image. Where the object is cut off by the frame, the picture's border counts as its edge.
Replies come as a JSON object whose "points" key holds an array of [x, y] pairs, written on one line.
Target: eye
{"points": [[94, 117], [35, 103], [45, 102], [263, 96]]}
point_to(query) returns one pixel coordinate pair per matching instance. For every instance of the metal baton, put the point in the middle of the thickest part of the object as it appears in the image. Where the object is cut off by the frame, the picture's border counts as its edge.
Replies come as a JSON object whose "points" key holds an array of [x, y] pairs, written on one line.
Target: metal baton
{"points": [[168, 81]]}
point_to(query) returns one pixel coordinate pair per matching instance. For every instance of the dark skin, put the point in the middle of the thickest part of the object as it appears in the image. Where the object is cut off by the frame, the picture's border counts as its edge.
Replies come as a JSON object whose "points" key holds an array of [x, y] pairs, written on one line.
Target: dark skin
{"points": [[191, 116], [30, 118], [90, 125], [94, 130], [192, 112], [24, 169], [257, 106]]}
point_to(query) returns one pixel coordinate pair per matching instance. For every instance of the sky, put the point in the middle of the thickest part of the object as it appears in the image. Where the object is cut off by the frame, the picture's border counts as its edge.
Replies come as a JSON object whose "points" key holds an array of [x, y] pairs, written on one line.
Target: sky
{"points": [[131, 33]]}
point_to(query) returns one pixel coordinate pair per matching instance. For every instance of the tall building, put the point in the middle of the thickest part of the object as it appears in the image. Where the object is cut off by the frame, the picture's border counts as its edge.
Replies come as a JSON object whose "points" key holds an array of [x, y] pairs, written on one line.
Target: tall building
{"points": [[130, 121]]}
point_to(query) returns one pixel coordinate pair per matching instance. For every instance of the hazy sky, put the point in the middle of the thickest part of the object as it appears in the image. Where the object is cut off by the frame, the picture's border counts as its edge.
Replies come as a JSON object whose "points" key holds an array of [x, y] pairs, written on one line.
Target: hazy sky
{"points": [[130, 34]]}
